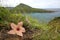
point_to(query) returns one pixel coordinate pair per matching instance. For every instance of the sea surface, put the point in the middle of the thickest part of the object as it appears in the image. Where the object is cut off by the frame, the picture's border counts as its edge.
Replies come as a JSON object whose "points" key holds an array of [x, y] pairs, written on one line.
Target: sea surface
{"points": [[44, 17]]}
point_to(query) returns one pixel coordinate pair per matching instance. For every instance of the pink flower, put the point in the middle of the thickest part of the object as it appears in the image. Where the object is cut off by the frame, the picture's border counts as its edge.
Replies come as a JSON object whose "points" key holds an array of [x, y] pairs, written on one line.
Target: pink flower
{"points": [[17, 29]]}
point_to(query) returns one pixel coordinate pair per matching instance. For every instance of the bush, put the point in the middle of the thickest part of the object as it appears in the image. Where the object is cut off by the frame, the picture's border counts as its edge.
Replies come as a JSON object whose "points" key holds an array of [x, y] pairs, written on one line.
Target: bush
{"points": [[4, 13]]}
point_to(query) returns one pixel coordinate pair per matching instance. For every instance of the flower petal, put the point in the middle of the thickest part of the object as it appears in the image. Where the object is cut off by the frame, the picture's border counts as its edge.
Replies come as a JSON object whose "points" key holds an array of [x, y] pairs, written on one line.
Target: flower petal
{"points": [[13, 26], [22, 29], [20, 24], [19, 33], [11, 32]]}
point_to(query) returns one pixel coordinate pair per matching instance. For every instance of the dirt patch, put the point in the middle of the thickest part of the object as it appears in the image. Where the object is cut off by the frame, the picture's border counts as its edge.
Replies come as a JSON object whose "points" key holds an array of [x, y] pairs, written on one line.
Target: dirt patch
{"points": [[27, 36]]}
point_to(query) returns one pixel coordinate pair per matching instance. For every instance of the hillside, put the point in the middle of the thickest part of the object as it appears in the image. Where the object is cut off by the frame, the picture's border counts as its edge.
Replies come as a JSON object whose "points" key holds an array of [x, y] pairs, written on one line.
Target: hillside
{"points": [[23, 8], [34, 29], [55, 22]]}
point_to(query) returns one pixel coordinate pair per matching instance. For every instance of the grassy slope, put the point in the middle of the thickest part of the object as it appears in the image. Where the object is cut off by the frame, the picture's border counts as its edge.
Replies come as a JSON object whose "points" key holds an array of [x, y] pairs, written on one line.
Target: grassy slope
{"points": [[53, 33], [47, 33]]}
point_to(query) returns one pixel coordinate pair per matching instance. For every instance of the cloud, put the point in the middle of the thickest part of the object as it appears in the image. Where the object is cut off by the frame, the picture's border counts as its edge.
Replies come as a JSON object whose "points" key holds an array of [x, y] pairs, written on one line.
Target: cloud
{"points": [[10, 2], [43, 3], [34, 3]]}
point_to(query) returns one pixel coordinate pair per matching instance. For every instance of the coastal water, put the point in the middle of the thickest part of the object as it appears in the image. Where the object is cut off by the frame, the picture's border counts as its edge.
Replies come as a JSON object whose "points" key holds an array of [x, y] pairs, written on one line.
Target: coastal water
{"points": [[44, 17]]}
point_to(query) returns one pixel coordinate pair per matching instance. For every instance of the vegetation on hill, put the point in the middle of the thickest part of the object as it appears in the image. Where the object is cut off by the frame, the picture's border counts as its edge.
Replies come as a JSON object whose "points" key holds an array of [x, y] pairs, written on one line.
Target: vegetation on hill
{"points": [[53, 33], [4, 13], [38, 30], [22, 8], [55, 23], [6, 17]]}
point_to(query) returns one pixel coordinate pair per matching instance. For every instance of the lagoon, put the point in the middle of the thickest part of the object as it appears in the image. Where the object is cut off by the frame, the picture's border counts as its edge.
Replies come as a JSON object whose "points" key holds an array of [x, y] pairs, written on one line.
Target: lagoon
{"points": [[44, 17]]}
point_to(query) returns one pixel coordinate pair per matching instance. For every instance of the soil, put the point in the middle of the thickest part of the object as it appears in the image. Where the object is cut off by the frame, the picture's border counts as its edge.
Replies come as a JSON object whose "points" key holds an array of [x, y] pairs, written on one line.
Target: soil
{"points": [[27, 36]]}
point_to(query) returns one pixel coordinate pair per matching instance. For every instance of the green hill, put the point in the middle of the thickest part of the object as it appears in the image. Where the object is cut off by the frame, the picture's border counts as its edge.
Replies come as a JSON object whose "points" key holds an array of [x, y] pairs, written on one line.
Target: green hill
{"points": [[23, 8], [55, 24], [34, 29]]}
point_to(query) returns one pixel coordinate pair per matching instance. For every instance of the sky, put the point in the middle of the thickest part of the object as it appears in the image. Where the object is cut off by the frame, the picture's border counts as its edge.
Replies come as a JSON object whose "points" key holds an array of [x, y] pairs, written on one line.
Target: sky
{"points": [[32, 3]]}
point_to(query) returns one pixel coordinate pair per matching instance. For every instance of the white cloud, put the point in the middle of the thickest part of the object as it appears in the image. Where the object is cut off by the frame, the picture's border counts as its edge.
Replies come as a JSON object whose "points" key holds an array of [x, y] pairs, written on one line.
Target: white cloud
{"points": [[43, 3], [10, 2]]}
